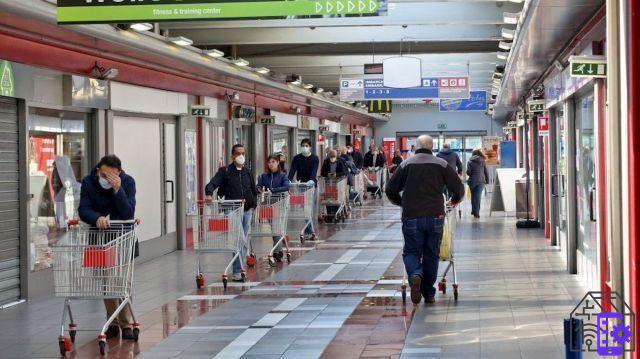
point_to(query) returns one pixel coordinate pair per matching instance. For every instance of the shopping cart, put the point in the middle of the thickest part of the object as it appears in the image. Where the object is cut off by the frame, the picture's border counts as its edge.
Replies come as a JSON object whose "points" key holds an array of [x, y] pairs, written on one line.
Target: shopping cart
{"points": [[300, 206], [374, 178], [270, 220], [94, 264], [357, 192], [219, 230], [333, 198], [446, 250]]}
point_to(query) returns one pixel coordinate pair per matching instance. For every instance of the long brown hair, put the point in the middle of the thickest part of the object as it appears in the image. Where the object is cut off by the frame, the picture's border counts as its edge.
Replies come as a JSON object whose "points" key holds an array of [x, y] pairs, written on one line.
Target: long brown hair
{"points": [[478, 152]]}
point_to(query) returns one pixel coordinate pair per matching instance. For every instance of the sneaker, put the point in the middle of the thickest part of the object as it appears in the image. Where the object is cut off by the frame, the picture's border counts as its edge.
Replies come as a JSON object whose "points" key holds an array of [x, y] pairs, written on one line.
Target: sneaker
{"points": [[278, 256], [237, 277], [127, 334], [112, 332], [430, 299], [313, 237], [415, 282]]}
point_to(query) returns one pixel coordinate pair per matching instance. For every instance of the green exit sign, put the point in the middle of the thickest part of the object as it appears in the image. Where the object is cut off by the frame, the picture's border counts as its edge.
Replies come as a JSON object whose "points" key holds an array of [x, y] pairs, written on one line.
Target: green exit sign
{"points": [[268, 120], [200, 111], [442, 126], [536, 106], [588, 66]]}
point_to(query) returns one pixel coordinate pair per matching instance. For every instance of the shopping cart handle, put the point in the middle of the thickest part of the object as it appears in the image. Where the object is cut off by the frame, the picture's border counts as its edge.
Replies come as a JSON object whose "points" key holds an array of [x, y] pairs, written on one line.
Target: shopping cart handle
{"points": [[128, 221], [73, 222]]}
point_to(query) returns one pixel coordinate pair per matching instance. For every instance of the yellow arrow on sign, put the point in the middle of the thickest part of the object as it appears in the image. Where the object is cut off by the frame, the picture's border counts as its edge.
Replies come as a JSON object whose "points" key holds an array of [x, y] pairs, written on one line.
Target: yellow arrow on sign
{"points": [[361, 6], [351, 6], [373, 5], [339, 7], [318, 7], [329, 7]]}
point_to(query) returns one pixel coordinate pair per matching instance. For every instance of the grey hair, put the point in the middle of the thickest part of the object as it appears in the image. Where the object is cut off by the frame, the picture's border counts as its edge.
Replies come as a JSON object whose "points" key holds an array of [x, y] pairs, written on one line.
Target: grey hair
{"points": [[424, 142]]}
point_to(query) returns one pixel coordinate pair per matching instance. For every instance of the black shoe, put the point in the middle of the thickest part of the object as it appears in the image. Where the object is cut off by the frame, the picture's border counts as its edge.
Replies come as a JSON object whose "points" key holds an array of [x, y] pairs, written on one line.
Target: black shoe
{"points": [[278, 256], [127, 334], [112, 332], [313, 237], [415, 283], [429, 299]]}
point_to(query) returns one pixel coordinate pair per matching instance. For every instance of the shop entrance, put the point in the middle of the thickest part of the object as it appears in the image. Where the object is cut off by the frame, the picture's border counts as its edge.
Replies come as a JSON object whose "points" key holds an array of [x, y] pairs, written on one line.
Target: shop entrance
{"points": [[9, 203], [243, 134], [559, 193]]}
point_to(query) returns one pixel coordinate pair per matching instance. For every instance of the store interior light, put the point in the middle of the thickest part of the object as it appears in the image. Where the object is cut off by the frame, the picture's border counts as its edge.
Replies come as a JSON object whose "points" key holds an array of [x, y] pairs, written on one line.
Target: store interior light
{"points": [[503, 55], [511, 17], [516, 1], [263, 70], [504, 45], [214, 53], [508, 34], [296, 82], [497, 75], [320, 90], [142, 26], [181, 41], [308, 86], [240, 62]]}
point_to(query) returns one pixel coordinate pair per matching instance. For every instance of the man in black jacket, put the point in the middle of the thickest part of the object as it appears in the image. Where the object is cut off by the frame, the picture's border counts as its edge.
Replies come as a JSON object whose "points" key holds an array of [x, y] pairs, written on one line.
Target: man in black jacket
{"points": [[417, 185], [355, 153], [236, 182]]}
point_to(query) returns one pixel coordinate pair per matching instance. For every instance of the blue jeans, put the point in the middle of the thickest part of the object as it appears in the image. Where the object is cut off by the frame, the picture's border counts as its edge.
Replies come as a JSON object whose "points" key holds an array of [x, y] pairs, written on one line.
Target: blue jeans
{"points": [[476, 196], [421, 252], [246, 223], [314, 213]]}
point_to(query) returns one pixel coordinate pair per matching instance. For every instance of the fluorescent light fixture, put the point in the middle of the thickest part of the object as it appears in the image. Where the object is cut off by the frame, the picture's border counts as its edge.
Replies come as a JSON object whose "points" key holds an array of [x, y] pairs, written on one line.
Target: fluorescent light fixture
{"points": [[296, 82], [495, 92], [497, 81], [508, 34], [504, 45], [502, 55], [497, 75], [320, 90], [308, 86], [181, 41], [214, 53], [142, 26], [516, 1], [240, 62], [511, 17], [262, 70]]}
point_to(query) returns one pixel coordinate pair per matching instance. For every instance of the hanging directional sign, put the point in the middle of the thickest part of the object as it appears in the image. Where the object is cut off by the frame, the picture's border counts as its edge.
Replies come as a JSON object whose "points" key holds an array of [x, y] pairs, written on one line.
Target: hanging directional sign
{"points": [[268, 120], [536, 106], [203, 111], [512, 124], [7, 83], [119, 11], [543, 126], [588, 66], [372, 88]]}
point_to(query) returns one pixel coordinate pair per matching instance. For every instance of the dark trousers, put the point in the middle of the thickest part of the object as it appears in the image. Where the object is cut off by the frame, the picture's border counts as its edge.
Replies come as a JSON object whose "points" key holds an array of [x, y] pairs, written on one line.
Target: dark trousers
{"points": [[422, 238], [476, 196]]}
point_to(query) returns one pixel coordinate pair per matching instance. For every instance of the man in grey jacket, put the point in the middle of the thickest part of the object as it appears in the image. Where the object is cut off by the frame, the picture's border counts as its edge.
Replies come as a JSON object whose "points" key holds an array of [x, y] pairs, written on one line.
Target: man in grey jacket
{"points": [[452, 158]]}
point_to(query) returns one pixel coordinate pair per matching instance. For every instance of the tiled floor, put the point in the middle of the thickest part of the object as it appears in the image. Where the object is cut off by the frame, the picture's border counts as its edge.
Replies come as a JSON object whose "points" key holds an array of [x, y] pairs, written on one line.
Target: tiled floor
{"points": [[340, 298]]}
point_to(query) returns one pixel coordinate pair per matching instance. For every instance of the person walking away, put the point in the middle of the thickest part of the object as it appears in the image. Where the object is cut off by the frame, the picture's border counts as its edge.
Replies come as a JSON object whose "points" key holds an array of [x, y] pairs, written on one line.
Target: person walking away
{"points": [[333, 168], [451, 157], [304, 168], [412, 151], [274, 181], [417, 186], [236, 182], [108, 193], [396, 161], [477, 177], [358, 160]]}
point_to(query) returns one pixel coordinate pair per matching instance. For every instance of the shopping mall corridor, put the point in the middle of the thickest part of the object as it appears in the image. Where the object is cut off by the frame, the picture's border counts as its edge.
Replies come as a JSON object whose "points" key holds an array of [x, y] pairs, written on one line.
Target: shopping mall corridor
{"points": [[340, 298]]}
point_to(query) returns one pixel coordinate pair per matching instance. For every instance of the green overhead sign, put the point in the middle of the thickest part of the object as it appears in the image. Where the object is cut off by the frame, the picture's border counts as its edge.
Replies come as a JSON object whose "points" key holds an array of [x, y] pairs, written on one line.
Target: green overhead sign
{"points": [[536, 106], [122, 11], [588, 66], [7, 83]]}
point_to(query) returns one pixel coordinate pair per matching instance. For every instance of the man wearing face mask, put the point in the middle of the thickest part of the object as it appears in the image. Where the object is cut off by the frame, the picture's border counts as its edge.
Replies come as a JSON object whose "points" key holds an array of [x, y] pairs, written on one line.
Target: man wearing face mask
{"points": [[304, 168], [107, 193], [373, 158], [235, 182]]}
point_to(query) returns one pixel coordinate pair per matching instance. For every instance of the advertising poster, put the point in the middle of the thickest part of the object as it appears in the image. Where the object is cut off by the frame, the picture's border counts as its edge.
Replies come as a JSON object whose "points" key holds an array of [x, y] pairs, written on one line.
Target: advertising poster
{"points": [[389, 145], [191, 169], [477, 101], [491, 150]]}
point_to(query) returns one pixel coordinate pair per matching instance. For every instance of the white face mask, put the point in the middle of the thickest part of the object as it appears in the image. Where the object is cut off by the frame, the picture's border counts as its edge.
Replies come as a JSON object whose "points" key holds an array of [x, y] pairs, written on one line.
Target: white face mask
{"points": [[239, 160], [375, 152], [349, 151], [104, 183], [306, 149], [333, 159]]}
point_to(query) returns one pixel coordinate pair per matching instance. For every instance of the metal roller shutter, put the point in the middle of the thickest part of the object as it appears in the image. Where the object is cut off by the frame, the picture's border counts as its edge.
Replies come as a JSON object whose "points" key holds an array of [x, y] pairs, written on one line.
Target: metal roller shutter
{"points": [[9, 202]]}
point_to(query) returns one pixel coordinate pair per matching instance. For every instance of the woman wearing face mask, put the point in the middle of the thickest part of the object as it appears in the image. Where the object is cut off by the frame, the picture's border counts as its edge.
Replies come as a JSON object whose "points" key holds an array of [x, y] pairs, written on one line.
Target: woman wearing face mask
{"points": [[373, 158], [274, 181], [333, 167]]}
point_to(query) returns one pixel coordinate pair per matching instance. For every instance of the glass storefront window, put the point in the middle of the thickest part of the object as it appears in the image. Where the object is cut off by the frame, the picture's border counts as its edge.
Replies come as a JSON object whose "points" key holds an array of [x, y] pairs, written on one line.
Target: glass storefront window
{"points": [[57, 161]]}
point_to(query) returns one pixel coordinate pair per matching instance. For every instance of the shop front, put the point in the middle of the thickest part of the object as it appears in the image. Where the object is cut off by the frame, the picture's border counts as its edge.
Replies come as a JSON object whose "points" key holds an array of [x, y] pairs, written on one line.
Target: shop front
{"points": [[308, 128], [213, 136], [280, 140], [242, 132]]}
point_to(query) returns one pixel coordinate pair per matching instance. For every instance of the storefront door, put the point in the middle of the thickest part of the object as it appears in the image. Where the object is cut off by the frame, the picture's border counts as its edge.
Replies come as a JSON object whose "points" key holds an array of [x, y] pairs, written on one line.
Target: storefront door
{"points": [[561, 181], [10, 203], [587, 243], [242, 133]]}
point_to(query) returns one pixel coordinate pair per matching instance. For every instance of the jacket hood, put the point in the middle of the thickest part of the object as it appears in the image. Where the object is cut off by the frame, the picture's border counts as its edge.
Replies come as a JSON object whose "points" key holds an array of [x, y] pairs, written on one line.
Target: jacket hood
{"points": [[476, 158], [446, 151]]}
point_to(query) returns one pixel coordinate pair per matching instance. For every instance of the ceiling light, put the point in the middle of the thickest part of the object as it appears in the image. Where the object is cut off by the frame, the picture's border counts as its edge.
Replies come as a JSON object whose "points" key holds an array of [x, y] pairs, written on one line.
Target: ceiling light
{"points": [[504, 45], [308, 86], [320, 90], [296, 82], [262, 70], [516, 1], [214, 53], [181, 41], [495, 92], [502, 55], [508, 34], [240, 62], [142, 26], [511, 17], [497, 75], [497, 81]]}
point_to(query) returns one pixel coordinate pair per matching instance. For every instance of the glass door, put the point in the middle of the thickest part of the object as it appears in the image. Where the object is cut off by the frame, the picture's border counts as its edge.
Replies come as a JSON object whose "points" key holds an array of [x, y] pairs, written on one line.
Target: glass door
{"points": [[587, 243], [561, 181]]}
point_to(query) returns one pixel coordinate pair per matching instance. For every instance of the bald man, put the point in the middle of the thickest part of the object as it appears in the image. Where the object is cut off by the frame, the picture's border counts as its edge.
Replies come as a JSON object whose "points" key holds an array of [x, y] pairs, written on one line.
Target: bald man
{"points": [[417, 185]]}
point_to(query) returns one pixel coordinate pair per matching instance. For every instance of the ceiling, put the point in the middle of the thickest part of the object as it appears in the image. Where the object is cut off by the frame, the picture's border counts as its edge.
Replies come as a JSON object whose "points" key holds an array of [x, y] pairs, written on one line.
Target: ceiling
{"points": [[450, 36]]}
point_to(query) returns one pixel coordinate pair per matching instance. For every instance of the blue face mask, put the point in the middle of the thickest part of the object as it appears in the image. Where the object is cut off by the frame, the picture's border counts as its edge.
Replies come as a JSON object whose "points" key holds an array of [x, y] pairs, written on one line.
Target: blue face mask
{"points": [[104, 183]]}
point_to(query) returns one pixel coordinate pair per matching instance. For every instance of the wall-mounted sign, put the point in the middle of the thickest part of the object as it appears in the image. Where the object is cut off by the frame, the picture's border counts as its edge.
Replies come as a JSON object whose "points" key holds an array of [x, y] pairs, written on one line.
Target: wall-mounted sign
{"points": [[536, 106], [244, 113], [80, 91], [512, 124], [203, 111], [372, 88], [477, 102], [268, 120], [543, 126], [357, 133], [380, 106], [442, 126], [7, 82], [323, 128], [588, 66], [373, 69], [519, 119], [119, 11]]}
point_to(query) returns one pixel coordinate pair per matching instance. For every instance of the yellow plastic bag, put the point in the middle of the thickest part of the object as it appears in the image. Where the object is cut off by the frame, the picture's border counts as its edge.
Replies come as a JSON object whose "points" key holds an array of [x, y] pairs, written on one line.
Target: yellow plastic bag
{"points": [[468, 192], [445, 245]]}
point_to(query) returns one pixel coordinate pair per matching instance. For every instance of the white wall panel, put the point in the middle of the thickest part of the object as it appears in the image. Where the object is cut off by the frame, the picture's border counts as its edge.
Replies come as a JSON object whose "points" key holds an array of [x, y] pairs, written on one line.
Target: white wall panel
{"points": [[285, 119], [131, 98], [137, 143], [218, 107]]}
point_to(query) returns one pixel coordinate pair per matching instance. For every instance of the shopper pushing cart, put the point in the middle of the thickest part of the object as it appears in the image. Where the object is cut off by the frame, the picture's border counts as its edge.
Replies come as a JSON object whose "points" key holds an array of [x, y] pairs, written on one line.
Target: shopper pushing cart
{"points": [[447, 250], [417, 185]]}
